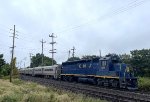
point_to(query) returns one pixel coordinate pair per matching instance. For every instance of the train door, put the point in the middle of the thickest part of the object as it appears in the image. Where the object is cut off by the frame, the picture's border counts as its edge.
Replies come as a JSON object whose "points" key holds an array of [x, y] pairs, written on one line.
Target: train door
{"points": [[32, 72], [103, 69], [55, 73], [42, 73]]}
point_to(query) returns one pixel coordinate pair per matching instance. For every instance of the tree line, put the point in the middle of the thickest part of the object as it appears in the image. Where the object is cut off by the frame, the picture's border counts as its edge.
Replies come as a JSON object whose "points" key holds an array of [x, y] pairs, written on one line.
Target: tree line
{"points": [[37, 60], [139, 60]]}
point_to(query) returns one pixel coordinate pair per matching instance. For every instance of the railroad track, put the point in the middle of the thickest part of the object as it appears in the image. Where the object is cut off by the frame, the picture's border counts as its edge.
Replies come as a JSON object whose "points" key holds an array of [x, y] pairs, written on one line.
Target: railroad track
{"points": [[102, 93]]}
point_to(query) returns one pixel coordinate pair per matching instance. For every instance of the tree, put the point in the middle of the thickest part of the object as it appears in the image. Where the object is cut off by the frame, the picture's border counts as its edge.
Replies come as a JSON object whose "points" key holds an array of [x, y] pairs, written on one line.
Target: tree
{"points": [[125, 58], [114, 57], [2, 61], [73, 58], [37, 60], [89, 56], [5, 70], [4, 67], [141, 61]]}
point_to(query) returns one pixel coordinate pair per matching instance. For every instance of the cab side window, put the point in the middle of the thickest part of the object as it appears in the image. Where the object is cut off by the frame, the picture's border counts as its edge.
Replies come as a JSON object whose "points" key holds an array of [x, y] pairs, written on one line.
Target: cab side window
{"points": [[103, 64]]}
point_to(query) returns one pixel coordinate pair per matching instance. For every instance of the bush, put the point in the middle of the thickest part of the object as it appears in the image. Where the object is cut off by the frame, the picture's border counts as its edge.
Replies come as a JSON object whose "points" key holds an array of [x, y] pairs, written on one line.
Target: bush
{"points": [[144, 83], [9, 99], [12, 98]]}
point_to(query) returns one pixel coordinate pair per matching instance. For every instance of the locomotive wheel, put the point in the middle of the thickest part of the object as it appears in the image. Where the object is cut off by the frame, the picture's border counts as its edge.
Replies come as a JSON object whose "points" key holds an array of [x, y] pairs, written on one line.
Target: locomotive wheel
{"points": [[100, 82], [95, 82], [65, 78], [115, 84], [106, 83], [70, 79]]}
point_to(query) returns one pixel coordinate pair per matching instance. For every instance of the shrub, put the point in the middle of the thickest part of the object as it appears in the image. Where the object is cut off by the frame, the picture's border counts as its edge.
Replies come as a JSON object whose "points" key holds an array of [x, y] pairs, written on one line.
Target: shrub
{"points": [[144, 83], [12, 98]]}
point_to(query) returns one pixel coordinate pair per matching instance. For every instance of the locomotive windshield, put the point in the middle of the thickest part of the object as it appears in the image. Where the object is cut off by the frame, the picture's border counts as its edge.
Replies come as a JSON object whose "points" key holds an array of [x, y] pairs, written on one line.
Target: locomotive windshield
{"points": [[129, 70]]}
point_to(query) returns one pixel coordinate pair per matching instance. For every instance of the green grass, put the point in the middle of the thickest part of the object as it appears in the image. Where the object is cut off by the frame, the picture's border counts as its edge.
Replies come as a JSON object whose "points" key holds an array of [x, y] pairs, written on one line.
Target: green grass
{"points": [[8, 77], [21, 91], [144, 83]]}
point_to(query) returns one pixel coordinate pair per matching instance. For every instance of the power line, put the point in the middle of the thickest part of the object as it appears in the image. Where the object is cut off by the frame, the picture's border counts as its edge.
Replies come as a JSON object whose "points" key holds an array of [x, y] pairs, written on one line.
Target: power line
{"points": [[131, 5], [52, 50], [42, 50]]}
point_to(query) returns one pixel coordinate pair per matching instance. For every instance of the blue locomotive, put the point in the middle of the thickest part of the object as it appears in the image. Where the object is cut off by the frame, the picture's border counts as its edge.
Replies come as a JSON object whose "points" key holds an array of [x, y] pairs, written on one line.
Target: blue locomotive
{"points": [[104, 71]]}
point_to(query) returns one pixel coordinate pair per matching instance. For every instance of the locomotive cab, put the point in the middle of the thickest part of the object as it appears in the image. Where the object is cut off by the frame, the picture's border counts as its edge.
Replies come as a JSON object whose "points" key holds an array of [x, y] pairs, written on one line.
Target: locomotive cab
{"points": [[120, 73], [126, 77], [131, 80]]}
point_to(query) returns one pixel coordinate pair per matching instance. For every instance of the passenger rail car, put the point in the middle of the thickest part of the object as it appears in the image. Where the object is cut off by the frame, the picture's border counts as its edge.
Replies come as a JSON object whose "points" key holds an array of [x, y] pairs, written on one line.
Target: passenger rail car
{"points": [[46, 71]]}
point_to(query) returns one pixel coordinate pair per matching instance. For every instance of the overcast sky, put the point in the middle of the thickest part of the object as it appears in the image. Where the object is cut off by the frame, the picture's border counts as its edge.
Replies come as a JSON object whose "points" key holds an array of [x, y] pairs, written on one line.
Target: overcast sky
{"points": [[112, 26]]}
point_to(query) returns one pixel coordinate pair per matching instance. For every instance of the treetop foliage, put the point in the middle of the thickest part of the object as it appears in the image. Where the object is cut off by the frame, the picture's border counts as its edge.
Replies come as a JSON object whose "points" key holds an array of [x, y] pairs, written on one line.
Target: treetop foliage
{"points": [[139, 60], [82, 58], [2, 61], [114, 57], [37, 60], [89, 56], [73, 59]]}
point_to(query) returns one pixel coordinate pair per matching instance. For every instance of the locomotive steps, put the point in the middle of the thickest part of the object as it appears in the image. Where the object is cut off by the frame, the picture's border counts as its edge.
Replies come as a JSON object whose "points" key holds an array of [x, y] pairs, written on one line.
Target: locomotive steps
{"points": [[102, 93]]}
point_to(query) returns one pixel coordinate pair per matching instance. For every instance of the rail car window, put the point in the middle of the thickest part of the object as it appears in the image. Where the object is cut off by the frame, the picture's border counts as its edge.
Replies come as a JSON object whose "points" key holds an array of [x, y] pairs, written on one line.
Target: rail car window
{"points": [[37, 69], [48, 69]]}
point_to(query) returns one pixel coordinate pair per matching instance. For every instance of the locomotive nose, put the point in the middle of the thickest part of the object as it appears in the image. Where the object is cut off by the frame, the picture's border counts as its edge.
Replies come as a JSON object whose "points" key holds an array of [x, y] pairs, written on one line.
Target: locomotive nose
{"points": [[132, 84]]}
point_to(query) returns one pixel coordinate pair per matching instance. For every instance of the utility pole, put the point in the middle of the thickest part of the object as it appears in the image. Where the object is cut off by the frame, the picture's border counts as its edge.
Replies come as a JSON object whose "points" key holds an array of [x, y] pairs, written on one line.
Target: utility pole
{"points": [[42, 50], [30, 54], [100, 54], [52, 50], [24, 65], [68, 54], [12, 52], [73, 49], [20, 64], [24, 61]]}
